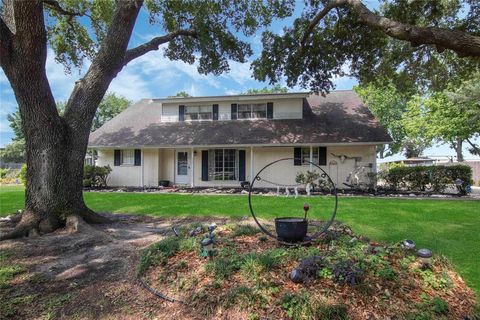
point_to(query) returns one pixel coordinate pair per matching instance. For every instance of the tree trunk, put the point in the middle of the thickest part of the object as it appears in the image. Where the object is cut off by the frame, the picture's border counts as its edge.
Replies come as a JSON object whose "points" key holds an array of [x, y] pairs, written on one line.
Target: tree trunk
{"points": [[458, 149], [55, 147], [54, 188]]}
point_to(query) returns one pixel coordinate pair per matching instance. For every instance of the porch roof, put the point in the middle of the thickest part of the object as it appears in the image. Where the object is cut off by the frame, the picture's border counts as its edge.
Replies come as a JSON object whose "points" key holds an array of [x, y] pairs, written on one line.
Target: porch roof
{"points": [[340, 117]]}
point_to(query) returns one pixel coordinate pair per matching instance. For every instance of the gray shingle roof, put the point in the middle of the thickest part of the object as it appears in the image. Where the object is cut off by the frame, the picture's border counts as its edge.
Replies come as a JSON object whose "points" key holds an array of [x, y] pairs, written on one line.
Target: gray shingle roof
{"points": [[340, 117]]}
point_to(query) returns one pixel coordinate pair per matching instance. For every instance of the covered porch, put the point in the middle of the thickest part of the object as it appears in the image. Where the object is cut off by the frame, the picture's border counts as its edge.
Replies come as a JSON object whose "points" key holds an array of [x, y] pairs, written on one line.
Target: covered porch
{"points": [[226, 166]]}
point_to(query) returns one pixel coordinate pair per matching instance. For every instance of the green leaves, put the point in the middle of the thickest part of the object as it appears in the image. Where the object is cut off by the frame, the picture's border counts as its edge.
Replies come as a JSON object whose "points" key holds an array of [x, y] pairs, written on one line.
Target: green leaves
{"points": [[75, 33], [110, 106], [341, 45]]}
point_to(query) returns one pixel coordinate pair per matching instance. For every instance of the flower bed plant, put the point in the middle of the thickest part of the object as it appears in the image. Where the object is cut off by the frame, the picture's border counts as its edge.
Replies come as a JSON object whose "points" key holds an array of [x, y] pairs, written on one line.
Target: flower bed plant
{"points": [[345, 277]]}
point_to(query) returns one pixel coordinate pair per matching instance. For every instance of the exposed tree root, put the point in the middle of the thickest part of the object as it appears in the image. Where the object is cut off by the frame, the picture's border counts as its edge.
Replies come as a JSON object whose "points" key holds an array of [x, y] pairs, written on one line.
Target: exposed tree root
{"points": [[29, 224], [20, 230], [91, 216]]}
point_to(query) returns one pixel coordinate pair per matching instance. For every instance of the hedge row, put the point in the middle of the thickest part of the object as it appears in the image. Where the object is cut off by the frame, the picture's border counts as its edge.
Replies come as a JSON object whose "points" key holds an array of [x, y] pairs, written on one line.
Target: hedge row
{"points": [[428, 178]]}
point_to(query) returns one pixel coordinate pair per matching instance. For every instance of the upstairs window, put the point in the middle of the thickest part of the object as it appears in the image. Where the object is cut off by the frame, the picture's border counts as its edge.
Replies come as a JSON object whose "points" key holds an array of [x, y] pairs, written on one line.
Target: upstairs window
{"points": [[252, 111], [199, 112]]}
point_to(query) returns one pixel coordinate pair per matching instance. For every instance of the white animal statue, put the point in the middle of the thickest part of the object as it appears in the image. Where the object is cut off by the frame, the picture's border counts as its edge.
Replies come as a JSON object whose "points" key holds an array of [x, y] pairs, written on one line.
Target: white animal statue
{"points": [[287, 192], [296, 192], [278, 191]]}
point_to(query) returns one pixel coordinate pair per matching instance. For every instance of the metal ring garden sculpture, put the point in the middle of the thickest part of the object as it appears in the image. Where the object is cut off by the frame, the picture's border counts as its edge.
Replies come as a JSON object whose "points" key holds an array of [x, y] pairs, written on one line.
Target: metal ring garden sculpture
{"points": [[293, 224]]}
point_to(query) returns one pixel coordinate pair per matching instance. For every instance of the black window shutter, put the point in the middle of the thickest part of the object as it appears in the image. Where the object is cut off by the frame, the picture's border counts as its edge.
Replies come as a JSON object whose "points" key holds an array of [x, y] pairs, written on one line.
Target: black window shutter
{"points": [[297, 155], [181, 113], [215, 112], [138, 157], [269, 110], [204, 165], [322, 156], [234, 112], [241, 165], [116, 157]]}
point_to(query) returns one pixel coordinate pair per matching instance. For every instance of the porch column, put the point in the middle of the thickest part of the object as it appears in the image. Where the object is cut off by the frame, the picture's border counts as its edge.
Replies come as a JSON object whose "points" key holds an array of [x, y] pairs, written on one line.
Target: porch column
{"points": [[142, 160], [192, 172], [251, 166], [311, 158]]}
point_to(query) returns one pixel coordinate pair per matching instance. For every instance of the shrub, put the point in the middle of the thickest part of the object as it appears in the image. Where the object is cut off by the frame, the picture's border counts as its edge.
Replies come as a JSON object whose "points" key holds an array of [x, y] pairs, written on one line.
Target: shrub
{"points": [[3, 173], [22, 175], [421, 178], [94, 176]]}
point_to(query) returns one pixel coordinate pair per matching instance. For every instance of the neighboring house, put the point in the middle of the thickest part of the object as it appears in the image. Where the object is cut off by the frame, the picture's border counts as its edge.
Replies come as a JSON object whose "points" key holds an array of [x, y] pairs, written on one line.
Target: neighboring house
{"points": [[224, 140]]}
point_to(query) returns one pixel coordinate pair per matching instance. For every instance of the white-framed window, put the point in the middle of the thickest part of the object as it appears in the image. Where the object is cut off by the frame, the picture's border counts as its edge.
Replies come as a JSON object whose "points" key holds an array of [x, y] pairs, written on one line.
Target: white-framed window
{"points": [[202, 112], [252, 111], [223, 164], [127, 157], [306, 155]]}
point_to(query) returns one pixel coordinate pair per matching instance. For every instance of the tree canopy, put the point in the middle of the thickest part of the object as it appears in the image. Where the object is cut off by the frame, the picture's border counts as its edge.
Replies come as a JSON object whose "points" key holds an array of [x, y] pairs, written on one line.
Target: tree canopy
{"points": [[110, 106], [208, 32], [417, 44], [274, 89]]}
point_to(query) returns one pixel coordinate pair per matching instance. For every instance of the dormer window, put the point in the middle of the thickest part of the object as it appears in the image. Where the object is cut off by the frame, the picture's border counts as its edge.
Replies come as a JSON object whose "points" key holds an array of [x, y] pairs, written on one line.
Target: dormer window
{"points": [[252, 111], [202, 112]]}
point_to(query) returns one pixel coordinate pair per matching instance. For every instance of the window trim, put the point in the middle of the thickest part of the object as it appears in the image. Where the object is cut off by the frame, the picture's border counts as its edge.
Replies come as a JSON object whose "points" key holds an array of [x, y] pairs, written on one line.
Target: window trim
{"points": [[212, 165], [122, 163], [185, 113], [251, 106], [315, 160]]}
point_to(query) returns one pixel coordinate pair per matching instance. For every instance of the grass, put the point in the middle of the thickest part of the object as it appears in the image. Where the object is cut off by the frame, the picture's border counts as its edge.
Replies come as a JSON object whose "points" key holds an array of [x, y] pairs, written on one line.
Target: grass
{"points": [[447, 227]]}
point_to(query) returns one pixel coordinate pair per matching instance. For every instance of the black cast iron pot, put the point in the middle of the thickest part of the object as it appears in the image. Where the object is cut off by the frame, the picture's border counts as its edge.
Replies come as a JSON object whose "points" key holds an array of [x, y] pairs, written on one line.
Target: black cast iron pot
{"points": [[291, 229]]}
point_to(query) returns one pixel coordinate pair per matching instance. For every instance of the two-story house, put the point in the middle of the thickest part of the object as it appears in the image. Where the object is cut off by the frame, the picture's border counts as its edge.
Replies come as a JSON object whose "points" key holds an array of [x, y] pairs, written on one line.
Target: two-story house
{"points": [[223, 140]]}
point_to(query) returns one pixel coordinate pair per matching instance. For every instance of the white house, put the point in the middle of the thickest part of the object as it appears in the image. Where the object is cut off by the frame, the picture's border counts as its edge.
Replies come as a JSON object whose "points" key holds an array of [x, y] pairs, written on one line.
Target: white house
{"points": [[224, 140]]}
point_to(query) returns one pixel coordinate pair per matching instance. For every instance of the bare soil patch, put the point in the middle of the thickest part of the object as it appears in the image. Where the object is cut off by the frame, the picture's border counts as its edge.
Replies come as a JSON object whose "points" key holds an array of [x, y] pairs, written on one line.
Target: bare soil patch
{"points": [[86, 275]]}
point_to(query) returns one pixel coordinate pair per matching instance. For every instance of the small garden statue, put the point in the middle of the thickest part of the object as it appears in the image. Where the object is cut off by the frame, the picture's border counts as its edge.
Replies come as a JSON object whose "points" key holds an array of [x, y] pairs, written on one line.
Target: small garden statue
{"points": [[206, 244]]}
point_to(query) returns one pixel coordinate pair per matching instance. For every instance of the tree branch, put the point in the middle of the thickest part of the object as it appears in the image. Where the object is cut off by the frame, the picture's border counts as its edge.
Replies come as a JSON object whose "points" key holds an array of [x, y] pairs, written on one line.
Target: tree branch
{"points": [[56, 6], [155, 43], [474, 146], [89, 91], [464, 44]]}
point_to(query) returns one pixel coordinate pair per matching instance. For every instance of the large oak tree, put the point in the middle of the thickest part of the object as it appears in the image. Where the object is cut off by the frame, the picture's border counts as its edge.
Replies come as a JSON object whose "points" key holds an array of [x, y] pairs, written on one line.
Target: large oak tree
{"points": [[418, 45], [100, 30]]}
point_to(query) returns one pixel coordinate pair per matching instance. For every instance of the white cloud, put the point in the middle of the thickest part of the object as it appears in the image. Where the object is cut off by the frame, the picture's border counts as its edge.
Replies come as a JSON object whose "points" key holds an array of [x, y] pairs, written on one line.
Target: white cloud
{"points": [[239, 72], [61, 82]]}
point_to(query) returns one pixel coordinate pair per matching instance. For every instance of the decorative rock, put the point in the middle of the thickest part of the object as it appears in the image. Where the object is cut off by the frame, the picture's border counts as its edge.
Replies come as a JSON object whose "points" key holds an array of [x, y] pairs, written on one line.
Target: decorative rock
{"points": [[296, 276], [196, 231]]}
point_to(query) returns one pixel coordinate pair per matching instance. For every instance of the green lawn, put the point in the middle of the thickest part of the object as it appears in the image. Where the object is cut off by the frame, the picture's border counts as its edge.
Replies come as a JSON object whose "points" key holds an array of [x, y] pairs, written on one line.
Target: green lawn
{"points": [[451, 228]]}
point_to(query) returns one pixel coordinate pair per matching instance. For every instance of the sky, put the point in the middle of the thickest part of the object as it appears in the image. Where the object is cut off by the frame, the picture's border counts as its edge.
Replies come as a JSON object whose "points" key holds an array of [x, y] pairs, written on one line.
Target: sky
{"points": [[154, 76]]}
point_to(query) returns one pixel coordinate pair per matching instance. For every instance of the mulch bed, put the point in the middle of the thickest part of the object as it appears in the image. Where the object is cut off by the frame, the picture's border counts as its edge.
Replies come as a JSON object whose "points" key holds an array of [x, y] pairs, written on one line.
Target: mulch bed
{"points": [[186, 276]]}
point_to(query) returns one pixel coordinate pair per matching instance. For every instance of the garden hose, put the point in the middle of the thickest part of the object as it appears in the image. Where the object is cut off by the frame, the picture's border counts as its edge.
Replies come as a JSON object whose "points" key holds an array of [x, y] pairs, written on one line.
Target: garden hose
{"points": [[158, 293]]}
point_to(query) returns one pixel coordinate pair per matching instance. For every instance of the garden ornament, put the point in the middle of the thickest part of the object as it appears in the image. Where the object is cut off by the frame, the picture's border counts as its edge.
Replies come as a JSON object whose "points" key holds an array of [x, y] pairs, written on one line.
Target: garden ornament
{"points": [[425, 256], [206, 247], [278, 191], [408, 244], [293, 230], [308, 188]]}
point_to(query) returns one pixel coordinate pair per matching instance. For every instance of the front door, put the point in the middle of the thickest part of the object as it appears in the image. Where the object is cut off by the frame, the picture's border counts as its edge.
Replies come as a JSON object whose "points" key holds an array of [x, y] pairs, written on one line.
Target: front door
{"points": [[182, 168]]}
